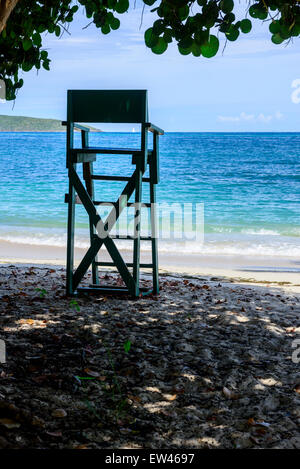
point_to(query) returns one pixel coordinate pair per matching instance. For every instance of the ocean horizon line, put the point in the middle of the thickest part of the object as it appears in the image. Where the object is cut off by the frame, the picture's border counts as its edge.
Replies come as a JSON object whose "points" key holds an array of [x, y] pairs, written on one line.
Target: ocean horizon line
{"points": [[261, 132]]}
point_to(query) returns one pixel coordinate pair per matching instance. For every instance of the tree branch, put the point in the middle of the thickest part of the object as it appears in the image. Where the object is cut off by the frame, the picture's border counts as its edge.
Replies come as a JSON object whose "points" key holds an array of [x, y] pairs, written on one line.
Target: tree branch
{"points": [[6, 7]]}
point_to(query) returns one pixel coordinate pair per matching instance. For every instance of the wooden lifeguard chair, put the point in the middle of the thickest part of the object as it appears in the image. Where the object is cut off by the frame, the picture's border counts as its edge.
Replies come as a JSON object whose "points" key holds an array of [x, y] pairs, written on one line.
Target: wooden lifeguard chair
{"points": [[110, 106]]}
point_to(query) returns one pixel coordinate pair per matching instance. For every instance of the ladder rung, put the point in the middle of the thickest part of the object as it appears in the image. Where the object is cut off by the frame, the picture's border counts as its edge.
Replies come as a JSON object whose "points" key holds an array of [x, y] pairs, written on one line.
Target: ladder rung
{"points": [[125, 237], [142, 238], [129, 204], [99, 177], [129, 264], [110, 289], [109, 204], [109, 151]]}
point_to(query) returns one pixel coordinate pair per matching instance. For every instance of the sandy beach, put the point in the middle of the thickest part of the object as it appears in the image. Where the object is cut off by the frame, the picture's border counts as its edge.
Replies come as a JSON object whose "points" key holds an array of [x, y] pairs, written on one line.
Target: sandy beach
{"points": [[280, 272], [210, 363]]}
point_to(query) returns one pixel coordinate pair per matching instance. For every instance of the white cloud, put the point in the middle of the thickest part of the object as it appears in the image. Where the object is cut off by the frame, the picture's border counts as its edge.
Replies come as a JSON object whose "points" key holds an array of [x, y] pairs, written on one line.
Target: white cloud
{"points": [[295, 96], [244, 117], [70, 41]]}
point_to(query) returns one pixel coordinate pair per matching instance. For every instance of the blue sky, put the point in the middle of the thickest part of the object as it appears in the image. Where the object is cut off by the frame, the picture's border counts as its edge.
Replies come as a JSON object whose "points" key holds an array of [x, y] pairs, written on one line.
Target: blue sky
{"points": [[247, 88]]}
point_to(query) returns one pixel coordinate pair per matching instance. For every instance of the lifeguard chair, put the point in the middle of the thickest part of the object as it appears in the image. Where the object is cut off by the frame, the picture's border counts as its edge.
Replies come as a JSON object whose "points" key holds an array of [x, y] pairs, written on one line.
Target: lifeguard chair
{"points": [[110, 106]]}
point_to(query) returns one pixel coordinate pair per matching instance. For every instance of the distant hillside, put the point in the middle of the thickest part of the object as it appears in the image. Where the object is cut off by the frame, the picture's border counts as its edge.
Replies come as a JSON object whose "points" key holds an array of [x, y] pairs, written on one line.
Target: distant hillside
{"points": [[32, 124]]}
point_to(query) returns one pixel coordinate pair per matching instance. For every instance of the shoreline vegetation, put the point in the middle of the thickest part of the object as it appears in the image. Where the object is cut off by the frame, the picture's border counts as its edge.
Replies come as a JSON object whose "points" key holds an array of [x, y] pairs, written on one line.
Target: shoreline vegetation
{"points": [[33, 124]]}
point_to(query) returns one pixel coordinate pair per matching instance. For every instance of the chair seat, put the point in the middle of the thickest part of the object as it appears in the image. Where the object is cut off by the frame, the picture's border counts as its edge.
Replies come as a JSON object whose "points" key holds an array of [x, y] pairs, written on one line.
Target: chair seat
{"points": [[112, 151]]}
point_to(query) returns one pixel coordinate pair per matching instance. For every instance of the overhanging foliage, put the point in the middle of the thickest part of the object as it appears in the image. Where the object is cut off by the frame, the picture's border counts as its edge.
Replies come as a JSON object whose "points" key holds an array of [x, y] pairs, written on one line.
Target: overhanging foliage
{"points": [[195, 25]]}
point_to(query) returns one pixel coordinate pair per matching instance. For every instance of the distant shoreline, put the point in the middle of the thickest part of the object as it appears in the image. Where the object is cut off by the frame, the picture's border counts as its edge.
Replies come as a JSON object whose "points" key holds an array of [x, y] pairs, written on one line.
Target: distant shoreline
{"points": [[33, 124], [42, 131]]}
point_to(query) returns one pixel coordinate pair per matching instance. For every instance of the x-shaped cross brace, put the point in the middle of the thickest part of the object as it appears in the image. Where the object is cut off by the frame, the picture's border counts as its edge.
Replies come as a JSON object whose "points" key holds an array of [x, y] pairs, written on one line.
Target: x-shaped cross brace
{"points": [[106, 227]]}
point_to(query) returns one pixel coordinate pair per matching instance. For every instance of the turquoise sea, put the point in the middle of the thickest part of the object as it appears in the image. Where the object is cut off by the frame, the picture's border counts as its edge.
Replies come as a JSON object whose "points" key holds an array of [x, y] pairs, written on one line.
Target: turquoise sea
{"points": [[248, 182]]}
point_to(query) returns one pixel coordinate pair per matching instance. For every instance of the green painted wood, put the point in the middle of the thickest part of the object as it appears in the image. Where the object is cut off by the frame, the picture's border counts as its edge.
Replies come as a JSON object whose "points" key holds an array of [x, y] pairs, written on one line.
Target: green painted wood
{"points": [[113, 106], [98, 177], [71, 217], [137, 222], [110, 151], [154, 129], [89, 183], [155, 159], [129, 204], [144, 146], [130, 238], [154, 233], [129, 264], [111, 290], [121, 265], [97, 242]]}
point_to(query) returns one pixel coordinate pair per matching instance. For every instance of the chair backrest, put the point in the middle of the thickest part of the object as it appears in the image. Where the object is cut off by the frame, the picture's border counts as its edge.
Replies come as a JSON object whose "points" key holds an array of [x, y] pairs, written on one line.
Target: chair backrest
{"points": [[112, 106]]}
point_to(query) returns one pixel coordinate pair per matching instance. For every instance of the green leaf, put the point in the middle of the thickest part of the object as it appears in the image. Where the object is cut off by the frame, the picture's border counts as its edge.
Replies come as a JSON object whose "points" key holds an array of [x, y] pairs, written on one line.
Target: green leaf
{"points": [[41, 28], [226, 5], [295, 30], [46, 64], [274, 27], [253, 11], [127, 346], [122, 6], [277, 39], [20, 83], [158, 27], [184, 51], [160, 47], [44, 54], [196, 49], [201, 37], [36, 39], [257, 11], [151, 39], [27, 44], [183, 12], [26, 67], [285, 32], [115, 23], [186, 43], [229, 18], [245, 26], [210, 48], [105, 29], [233, 33], [168, 35]]}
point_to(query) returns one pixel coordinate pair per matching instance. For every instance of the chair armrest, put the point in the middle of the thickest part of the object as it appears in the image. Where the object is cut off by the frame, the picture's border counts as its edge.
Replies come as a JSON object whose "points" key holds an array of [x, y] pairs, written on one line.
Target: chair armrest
{"points": [[77, 126], [154, 129]]}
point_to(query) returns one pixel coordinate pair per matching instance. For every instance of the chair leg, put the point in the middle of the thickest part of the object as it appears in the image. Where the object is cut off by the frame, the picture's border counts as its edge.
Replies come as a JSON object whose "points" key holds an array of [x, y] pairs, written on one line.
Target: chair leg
{"points": [[89, 183], [70, 239], [137, 234], [154, 233]]}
